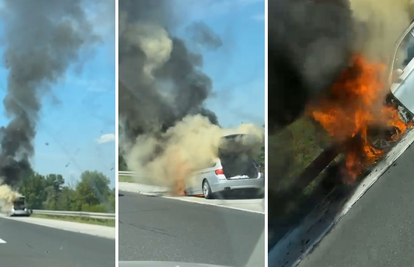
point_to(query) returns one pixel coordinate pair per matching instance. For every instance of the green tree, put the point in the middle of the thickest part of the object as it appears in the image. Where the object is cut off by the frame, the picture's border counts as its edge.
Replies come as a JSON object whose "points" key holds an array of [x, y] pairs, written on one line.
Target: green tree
{"points": [[111, 201], [93, 191], [67, 199], [53, 189], [261, 158], [122, 166], [262, 154], [33, 189]]}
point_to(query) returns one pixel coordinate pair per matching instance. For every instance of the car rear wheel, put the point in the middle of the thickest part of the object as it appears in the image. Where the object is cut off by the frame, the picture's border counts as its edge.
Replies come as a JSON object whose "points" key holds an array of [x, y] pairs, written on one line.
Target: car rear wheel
{"points": [[207, 190]]}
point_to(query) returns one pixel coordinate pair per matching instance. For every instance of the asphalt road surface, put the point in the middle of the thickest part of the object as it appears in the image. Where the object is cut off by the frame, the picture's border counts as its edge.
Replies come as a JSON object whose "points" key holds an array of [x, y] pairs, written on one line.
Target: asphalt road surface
{"points": [[28, 245], [164, 229], [379, 229]]}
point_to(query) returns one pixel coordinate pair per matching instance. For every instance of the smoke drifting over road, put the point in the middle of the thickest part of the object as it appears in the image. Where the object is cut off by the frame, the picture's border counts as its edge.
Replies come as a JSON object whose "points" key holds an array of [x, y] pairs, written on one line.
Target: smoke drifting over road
{"points": [[41, 40], [162, 92]]}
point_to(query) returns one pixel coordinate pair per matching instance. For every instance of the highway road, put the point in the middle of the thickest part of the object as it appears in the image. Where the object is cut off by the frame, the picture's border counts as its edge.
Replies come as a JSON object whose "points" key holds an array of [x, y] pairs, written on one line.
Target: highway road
{"points": [[378, 231], [164, 229], [29, 245]]}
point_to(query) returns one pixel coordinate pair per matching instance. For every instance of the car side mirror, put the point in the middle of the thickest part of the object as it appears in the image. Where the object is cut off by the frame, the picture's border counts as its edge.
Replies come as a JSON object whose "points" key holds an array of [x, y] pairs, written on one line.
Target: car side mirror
{"points": [[396, 77]]}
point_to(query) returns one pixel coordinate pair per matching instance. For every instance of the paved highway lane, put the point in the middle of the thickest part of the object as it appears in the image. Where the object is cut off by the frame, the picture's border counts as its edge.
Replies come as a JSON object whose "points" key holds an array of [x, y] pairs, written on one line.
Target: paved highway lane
{"points": [[379, 229], [29, 245], [164, 229]]}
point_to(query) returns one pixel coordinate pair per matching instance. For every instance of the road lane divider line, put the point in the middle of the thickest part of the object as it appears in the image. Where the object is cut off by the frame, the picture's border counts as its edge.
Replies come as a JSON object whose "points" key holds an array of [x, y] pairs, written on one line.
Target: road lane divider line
{"points": [[188, 199], [2, 241], [197, 201]]}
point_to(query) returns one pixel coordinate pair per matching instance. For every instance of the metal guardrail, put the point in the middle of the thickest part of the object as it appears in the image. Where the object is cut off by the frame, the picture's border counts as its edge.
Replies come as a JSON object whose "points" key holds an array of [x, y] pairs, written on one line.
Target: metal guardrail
{"points": [[95, 215], [128, 173]]}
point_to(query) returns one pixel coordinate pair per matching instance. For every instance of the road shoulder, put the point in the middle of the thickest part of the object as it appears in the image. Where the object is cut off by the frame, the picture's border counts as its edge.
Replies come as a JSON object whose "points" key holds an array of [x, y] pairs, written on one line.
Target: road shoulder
{"points": [[247, 205], [89, 229]]}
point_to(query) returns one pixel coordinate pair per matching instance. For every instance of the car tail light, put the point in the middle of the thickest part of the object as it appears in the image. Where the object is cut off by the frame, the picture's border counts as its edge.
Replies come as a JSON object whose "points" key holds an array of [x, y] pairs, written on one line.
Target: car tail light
{"points": [[219, 171]]}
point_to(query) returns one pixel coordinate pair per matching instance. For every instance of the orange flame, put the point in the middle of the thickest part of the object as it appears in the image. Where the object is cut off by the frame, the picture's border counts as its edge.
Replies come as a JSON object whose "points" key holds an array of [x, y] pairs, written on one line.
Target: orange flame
{"points": [[354, 103], [178, 168]]}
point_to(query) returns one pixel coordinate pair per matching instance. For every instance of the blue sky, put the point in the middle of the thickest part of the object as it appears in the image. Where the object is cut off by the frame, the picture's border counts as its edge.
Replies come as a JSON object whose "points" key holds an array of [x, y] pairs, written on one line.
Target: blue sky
{"points": [[237, 68], [79, 110]]}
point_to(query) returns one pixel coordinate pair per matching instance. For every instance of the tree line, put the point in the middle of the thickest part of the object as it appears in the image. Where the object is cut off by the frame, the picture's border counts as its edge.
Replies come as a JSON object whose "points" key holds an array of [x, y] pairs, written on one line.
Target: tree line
{"points": [[91, 193]]}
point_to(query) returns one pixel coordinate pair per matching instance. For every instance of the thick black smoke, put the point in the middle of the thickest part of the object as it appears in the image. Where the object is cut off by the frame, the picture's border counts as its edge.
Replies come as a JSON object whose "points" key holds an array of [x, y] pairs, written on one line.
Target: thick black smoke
{"points": [[310, 42], [41, 38], [160, 79]]}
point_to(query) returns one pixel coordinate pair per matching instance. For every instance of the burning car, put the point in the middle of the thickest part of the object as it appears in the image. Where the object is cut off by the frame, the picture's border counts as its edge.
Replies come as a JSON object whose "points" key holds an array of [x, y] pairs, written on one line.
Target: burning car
{"points": [[401, 95], [402, 65], [19, 207], [355, 114], [234, 169]]}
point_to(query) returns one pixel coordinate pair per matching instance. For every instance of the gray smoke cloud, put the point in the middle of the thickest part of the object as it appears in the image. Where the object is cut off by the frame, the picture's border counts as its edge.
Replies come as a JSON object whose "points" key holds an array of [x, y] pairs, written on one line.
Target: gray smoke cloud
{"points": [[165, 129], [203, 35], [41, 40], [310, 43], [160, 79]]}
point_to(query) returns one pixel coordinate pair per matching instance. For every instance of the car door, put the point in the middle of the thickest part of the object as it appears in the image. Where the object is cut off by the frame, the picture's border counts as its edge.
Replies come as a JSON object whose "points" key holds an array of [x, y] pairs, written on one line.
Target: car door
{"points": [[402, 80], [194, 182]]}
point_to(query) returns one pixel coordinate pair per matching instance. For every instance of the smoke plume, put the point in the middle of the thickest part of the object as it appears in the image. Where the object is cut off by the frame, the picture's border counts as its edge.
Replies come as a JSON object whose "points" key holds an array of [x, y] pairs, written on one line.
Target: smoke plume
{"points": [[203, 35], [312, 41], [309, 44], [379, 25], [170, 157], [160, 80], [166, 130], [41, 40], [7, 196]]}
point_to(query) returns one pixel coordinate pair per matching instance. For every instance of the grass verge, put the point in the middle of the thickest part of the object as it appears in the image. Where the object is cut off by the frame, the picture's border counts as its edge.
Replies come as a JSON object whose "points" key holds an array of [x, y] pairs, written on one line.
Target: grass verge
{"points": [[125, 179], [103, 222]]}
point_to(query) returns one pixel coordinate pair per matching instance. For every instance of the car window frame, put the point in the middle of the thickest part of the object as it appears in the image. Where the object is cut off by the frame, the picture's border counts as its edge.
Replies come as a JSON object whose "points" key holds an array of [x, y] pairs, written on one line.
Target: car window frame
{"points": [[397, 46]]}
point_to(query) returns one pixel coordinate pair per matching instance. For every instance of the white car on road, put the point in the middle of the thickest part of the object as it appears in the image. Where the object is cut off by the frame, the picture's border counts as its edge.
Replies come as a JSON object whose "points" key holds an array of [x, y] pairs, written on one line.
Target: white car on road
{"points": [[19, 208], [234, 169]]}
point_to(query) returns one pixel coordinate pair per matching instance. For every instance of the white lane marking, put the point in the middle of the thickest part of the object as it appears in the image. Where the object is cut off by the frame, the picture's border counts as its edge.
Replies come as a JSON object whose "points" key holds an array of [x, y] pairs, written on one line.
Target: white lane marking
{"points": [[159, 192], [2, 241], [207, 202], [190, 199], [365, 185], [81, 228]]}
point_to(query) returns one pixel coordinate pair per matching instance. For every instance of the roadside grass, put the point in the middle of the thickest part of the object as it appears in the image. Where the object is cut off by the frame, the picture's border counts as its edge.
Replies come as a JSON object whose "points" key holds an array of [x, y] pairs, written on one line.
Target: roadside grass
{"points": [[102, 222], [125, 179]]}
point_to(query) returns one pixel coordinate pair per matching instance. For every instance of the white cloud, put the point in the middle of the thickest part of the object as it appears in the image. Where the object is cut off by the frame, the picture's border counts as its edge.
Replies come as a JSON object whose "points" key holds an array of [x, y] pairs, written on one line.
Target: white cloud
{"points": [[259, 17], [105, 138]]}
